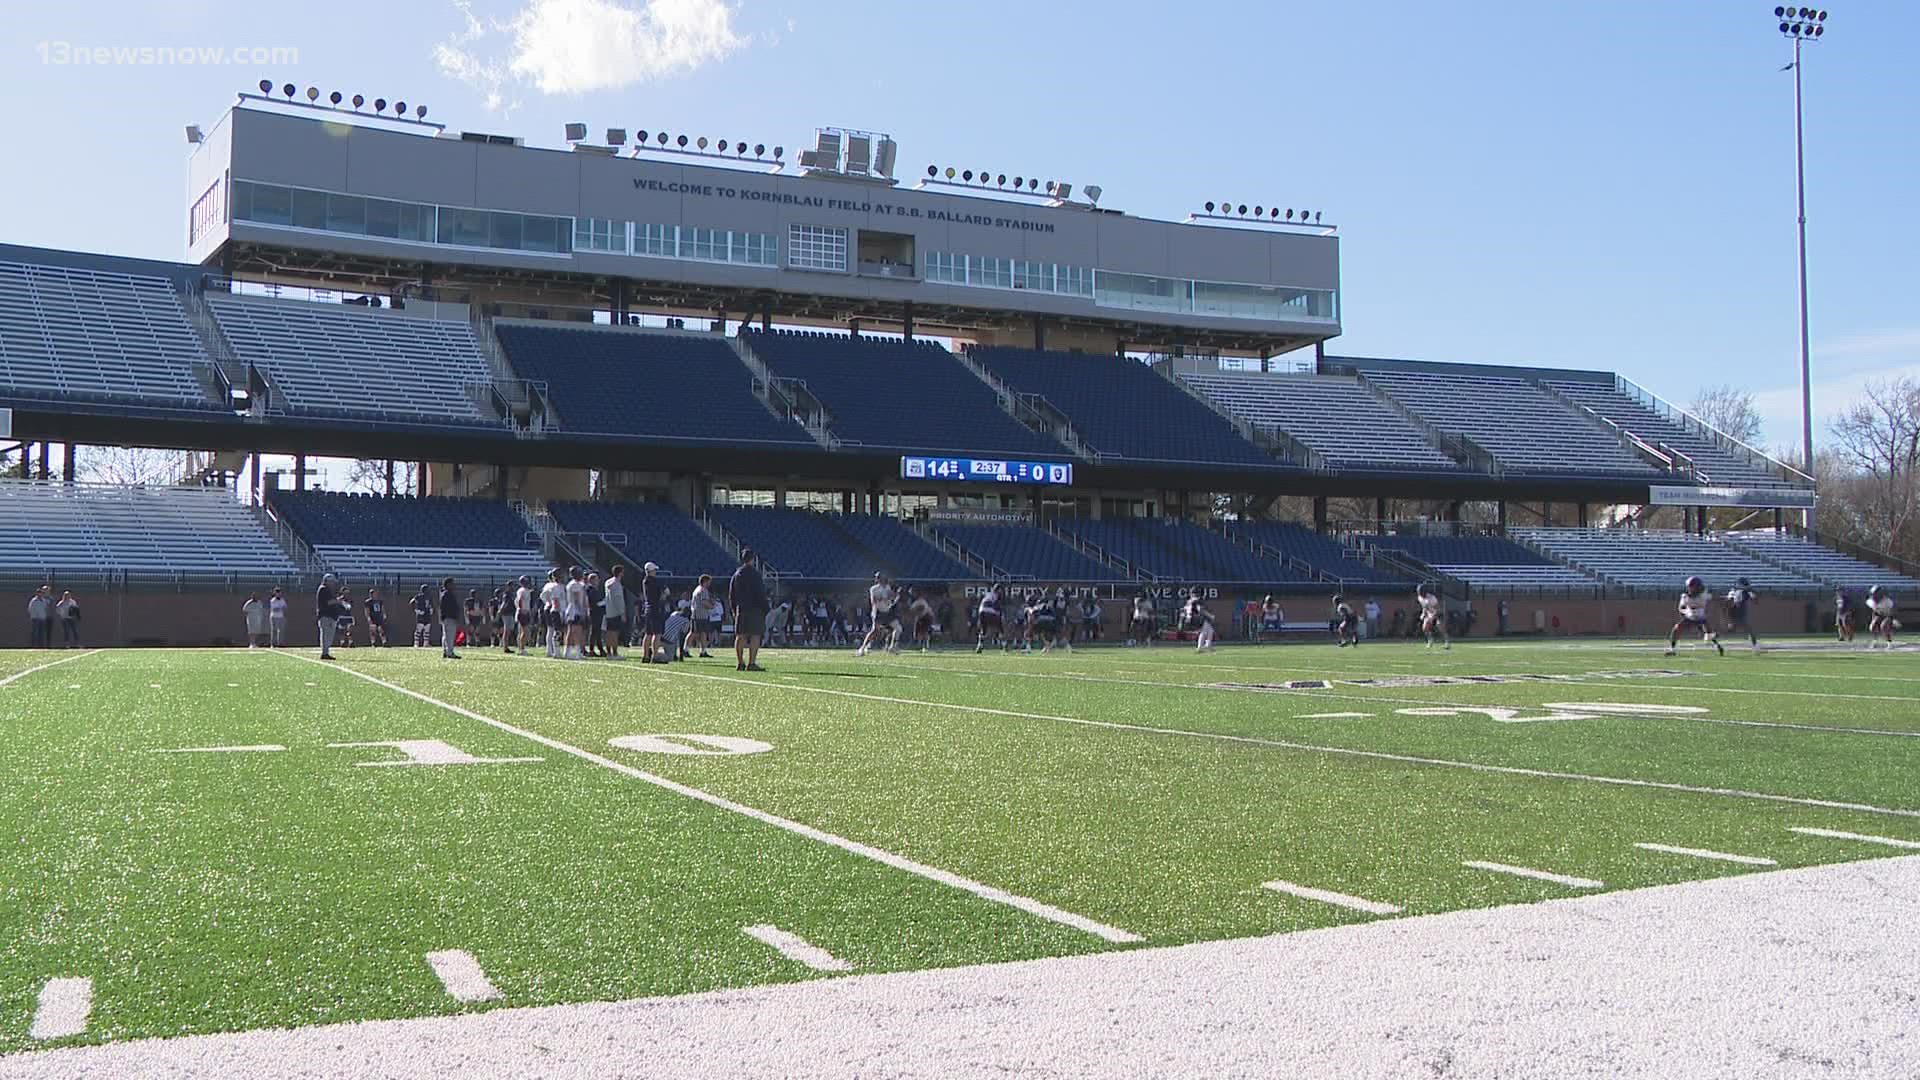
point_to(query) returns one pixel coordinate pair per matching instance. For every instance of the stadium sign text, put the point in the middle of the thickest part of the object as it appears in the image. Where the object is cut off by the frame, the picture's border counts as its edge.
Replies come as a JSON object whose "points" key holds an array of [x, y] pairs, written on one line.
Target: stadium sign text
{"points": [[1762, 498], [850, 206]]}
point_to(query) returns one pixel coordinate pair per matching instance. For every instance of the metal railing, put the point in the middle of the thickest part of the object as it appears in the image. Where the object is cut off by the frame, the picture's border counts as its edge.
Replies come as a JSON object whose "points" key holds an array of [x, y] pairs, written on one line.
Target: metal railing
{"points": [[1760, 459]]}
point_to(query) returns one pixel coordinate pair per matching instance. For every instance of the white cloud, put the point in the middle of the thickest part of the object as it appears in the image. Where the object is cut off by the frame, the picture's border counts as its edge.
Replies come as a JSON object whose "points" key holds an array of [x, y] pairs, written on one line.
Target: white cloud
{"points": [[577, 46]]}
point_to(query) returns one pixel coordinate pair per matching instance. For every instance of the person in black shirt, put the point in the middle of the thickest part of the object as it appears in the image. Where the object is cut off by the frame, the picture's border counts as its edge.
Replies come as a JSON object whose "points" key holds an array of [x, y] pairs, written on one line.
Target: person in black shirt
{"points": [[450, 610], [596, 615], [1740, 601], [423, 616], [326, 612], [747, 596], [376, 618]]}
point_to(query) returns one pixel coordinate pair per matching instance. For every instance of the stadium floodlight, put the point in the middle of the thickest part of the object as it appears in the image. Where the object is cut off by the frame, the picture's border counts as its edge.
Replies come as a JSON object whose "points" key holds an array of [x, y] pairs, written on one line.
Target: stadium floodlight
{"points": [[193, 134], [334, 98], [1259, 211], [967, 176], [1032, 184], [662, 138], [313, 93], [701, 142], [778, 152], [399, 108], [1019, 182], [288, 90], [1802, 25], [1243, 209], [379, 104], [723, 146], [933, 170], [740, 148], [1209, 207], [949, 172], [576, 132], [358, 101], [1316, 217], [1001, 179], [266, 86], [616, 136], [1094, 192]]}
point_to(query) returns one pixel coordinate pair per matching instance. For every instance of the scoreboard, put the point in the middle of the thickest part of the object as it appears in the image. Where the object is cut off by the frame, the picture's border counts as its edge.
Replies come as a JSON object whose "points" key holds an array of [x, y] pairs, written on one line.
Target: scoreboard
{"points": [[985, 470]]}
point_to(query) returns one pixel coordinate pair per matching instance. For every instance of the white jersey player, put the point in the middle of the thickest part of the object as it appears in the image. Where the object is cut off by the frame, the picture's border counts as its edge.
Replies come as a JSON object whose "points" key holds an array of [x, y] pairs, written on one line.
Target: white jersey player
{"points": [[1694, 604], [886, 619], [1880, 605], [1433, 616]]}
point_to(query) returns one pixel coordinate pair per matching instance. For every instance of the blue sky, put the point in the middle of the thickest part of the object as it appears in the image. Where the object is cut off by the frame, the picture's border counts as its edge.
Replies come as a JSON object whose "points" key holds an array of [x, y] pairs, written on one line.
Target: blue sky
{"points": [[1593, 185]]}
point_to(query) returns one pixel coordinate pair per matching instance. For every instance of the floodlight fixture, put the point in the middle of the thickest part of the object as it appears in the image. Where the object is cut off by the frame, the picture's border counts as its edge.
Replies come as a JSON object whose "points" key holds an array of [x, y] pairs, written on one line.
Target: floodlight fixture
{"points": [[616, 136], [701, 142], [287, 90], [576, 132], [662, 138], [193, 134], [379, 104], [334, 98], [760, 150], [399, 108], [358, 101], [266, 86], [680, 140], [313, 93]]}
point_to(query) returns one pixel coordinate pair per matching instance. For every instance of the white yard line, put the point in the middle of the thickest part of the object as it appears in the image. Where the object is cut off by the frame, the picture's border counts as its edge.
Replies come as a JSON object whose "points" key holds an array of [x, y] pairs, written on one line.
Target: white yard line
{"points": [[888, 858], [1287, 744], [63, 1009], [1537, 875], [18, 675], [796, 948], [1327, 896], [461, 974], [1836, 834], [1702, 853], [262, 748]]}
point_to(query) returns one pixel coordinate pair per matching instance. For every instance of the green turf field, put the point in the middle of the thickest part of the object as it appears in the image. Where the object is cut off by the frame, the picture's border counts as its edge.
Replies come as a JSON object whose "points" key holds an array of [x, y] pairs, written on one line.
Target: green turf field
{"points": [[912, 811]]}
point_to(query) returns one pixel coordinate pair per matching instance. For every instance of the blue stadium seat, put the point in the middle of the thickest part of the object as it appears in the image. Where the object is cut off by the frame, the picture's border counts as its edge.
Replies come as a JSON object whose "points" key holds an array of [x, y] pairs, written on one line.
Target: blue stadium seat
{"points": [[1026, 552], [654, 387], [361, 537], [1324, 554], [907, 555], [652, 532], [1122, 409], [886, 392]]}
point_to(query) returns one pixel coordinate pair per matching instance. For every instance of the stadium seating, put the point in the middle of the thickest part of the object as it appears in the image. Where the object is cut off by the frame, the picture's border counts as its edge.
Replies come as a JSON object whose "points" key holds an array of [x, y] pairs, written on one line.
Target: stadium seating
{"points": [[885, 392], [1123, 410], [906, 554], [190, 533], [649, 532], [1333, 415], [1823, 564], [1320, 553], [1027, 553], [1644, 558], [346, 361], [475, 541], [797, 543], [646, 385], [77, 334], [1177, 549], [1714, 463], [1486, 562], [1521, 425]]}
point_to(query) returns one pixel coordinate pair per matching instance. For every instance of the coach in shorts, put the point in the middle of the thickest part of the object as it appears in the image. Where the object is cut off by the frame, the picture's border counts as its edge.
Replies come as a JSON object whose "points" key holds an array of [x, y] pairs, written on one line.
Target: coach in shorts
{"points": [[747, 596]]}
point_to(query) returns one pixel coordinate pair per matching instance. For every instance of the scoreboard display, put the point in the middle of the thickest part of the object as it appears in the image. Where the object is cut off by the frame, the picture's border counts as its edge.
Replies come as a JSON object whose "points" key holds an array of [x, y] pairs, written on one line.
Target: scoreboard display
{"points": [[985, 470]]}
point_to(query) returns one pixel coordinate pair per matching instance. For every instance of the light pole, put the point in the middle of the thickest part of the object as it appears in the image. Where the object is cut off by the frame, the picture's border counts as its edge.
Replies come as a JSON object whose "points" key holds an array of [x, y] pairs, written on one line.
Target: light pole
{"points": [[1802, 25]]}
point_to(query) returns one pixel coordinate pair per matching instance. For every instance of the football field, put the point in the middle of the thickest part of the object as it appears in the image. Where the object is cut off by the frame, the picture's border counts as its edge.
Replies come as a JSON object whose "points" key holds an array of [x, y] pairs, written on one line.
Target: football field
{"points": [[204, 841]]}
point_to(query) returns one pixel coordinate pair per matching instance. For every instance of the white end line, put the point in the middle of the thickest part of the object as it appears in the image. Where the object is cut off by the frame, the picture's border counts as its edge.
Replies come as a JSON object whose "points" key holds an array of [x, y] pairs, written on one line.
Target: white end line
{"points": [[898, 862], [18, 675], [796, 948], [1287, 744], [1702, 853], [1537, 875], [64, 1007], [460, 973], [1836, 834], [1325, 896]]}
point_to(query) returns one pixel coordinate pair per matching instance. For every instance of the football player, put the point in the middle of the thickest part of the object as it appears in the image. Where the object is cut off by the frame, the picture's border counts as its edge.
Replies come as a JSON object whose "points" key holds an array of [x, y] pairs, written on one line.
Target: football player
{"points": [[991, 624], [1694, 602], [1842, 614], [1880, 603], [1433, 619], [1140, 630], [1740, 601], [1043, 622], [1346, 625], [1197, 618]]}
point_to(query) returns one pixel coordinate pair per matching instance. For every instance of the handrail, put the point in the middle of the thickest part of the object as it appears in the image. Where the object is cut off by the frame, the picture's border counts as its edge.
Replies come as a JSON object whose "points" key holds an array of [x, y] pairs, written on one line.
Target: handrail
{"points": [[1686, 419]]}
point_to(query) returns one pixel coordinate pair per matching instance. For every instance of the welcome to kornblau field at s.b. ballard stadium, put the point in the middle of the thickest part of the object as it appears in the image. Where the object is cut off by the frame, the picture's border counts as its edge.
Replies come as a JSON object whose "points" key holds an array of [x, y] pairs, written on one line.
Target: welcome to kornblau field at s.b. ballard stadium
{"points": [[1125, 685]]}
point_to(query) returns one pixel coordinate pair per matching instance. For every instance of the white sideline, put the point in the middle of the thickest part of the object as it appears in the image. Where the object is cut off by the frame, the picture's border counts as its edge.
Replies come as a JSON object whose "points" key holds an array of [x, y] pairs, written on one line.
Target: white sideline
{"points": [[262, 748], [63, 1009], [1836, 834], [1288, 744], [18, 675], [1537, 875], [1327, 896], [888, 858], [1702, 853], [460, 973], [796, 948]]}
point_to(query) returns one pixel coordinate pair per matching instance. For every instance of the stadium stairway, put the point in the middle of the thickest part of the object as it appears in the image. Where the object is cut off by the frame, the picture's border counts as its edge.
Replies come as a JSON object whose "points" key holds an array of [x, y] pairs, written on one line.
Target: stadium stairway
{"points": [[809, 546]]}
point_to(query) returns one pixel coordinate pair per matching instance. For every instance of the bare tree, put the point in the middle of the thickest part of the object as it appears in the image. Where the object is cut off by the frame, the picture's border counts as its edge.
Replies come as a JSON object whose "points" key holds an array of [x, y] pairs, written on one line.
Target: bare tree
{"points": [[1873, 486], [370, 475], [129, 465], [1730, 409]]}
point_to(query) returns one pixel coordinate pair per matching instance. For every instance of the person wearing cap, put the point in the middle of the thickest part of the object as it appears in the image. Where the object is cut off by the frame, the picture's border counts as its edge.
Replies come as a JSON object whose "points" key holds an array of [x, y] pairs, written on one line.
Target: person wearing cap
{"points": [[699, 616], [553, 597], [616, 606], [747, 595], [653, 609], [579, 608], [277, 619], [423, 616], [326, 612], [523, 615]]}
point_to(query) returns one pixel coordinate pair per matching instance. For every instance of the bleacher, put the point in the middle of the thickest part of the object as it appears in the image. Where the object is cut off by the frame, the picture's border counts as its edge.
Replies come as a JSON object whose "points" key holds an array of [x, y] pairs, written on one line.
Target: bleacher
{"points": [[1322, 554], [1487, 562], [886, 392], [1124, 410], [1333, 415], [651, 386], [649, 532], [908, 555], [1653, 559], [148, 532], [361, 537], [797, 543], [1823, 564], [1180, 550], [339, 360], [1714, 463], [1525, 429], [1027, 553], [75, 334]]}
